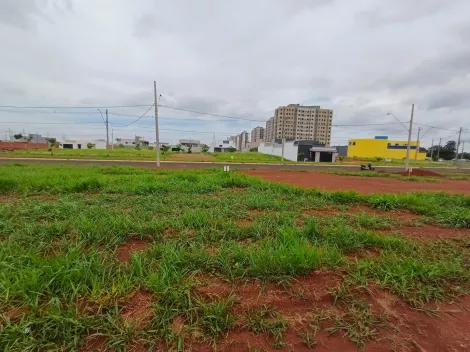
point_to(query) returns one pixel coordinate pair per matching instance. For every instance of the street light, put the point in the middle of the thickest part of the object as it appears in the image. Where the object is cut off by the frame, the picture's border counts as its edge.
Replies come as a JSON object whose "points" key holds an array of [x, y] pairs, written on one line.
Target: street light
{"points": [[396, 118], [409, 135]]}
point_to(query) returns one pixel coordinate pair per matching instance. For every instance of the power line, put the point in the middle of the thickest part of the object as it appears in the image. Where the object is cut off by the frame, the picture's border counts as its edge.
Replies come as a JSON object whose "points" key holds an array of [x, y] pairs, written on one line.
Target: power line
{"points": [[135, 120], [73, 107], [210, 114]]}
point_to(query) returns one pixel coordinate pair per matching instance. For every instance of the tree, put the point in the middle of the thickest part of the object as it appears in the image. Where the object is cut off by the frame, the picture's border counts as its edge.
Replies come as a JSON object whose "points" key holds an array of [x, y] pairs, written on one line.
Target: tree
{"points": [[90, 145], [137, 146], [176, 148], [190, 149], [18, 136], [379, 158], [232, 149], [340, 158], [446, 152], [204, 148], [120, 145], [254, 149], [165, 147], [51, 143]]}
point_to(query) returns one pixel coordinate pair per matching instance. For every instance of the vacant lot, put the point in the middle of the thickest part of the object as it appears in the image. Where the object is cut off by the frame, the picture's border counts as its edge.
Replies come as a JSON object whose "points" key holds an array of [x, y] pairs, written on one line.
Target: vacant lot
{"points": [[379, 184], [96, 259], [145, 155]]}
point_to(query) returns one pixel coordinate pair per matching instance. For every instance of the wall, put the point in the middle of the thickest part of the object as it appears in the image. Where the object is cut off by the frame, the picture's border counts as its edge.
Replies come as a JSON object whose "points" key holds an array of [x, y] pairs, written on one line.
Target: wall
{"points": [[290, 150], [22, 145], [371, 148], [98, 144]]}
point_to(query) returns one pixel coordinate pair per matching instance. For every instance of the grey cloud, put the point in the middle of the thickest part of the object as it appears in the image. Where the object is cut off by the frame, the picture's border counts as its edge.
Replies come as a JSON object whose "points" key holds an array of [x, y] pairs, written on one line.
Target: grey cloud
{"points": [[439, 70], [402, 11], [24, 13], [145, 25]]}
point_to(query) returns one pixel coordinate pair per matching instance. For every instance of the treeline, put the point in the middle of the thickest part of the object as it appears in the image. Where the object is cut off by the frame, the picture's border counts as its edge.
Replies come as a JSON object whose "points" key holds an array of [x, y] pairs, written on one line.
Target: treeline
{"points": [[446, 152]]}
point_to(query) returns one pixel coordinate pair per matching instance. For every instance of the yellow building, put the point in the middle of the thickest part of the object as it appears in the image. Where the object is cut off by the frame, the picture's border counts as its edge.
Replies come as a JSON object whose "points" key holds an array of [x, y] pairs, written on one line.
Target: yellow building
{"points": [[382, 147]]}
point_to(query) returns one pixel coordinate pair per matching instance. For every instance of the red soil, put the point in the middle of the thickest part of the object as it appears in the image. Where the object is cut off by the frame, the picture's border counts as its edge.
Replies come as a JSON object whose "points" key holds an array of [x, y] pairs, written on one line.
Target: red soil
{"points": [[430, 232], [125, 250], [138, 310], [359, 184]]}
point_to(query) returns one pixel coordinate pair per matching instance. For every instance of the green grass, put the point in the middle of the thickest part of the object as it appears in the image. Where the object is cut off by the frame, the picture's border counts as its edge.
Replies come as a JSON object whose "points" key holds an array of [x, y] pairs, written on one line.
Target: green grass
{"points": [[61, 226]]}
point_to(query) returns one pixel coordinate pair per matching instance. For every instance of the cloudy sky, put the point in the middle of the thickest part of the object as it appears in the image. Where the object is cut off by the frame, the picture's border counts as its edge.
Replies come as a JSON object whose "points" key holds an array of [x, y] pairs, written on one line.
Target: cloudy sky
{"points": [[242, 58]]}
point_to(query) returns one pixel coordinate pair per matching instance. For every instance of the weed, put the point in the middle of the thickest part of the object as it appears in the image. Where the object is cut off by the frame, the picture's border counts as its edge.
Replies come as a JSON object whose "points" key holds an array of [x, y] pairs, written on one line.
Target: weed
{"points": [[359, 324], [267, 319]]}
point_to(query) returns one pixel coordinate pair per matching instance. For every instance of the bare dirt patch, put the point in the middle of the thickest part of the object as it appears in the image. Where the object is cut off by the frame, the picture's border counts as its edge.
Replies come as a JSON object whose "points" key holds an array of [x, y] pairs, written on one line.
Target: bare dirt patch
{"points": [[244, 222], [429, 232], [138, 310], [359, 184], [125, 250], [94, 343], [415, 330], [213, 287]]}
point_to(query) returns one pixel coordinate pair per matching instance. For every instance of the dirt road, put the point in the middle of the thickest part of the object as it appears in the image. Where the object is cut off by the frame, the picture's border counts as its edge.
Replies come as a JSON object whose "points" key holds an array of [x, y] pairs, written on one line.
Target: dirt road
{"points": [[359, 184]]}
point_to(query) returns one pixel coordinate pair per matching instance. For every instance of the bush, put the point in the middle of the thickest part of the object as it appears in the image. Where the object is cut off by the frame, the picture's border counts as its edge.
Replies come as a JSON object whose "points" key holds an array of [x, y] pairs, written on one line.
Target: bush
{"points": [[205, 148], [254, 149]]}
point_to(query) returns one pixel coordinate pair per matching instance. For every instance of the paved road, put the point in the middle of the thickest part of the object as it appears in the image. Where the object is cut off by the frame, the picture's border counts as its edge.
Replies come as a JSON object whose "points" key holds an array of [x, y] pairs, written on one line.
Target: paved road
{"points": [[199, 165]]}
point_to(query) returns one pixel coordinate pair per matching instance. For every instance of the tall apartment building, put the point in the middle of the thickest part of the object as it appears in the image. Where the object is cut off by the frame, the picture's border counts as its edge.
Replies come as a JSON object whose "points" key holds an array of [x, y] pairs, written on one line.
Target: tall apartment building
{"points": [[240, 140], [299, 122], [269, 132], [243, 141], [257, 134]]}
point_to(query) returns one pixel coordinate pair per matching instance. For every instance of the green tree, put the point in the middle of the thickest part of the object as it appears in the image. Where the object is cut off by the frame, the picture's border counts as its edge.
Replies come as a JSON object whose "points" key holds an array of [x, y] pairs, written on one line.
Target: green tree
{"points": [[90, 145], [18, 136], [232, 149], [165, 147], [204, 148], [254, 149]]}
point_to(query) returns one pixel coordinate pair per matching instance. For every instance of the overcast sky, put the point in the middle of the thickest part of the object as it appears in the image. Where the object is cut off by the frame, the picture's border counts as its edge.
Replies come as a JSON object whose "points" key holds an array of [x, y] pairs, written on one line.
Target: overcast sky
{"points": [[241, 58]]}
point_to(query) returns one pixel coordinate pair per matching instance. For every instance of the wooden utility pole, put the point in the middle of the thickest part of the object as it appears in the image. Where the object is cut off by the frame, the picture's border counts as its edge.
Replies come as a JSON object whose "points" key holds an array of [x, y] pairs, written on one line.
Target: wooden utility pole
{"points": [[458, 146], [407, 161], [157, 135], [417, 145], [107, 134]]}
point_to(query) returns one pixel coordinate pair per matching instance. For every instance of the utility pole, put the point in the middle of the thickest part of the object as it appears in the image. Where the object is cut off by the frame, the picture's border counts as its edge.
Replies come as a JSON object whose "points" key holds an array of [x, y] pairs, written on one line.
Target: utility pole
{"points": [[439, 148], [407, 162], [112, 138], [463, 145], [417, 145], [432, 148], [107, 134], [157, 136], [458, 146]]}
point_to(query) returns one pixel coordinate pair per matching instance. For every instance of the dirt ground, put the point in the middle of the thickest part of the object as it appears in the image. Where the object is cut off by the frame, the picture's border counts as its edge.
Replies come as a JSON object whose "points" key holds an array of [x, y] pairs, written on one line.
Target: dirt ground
{"points": [[359, 184]]}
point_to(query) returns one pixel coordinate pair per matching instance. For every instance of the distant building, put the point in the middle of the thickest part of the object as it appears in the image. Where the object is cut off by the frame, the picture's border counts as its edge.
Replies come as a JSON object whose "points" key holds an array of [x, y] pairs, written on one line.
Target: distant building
{"points": [[342, 150], [269, 132], [31, 138], [194, 144], [384, 148], [302, 150], [223, 146], [300, 122], [243, 141], [257, 134], [132, 142], [83, 144]]}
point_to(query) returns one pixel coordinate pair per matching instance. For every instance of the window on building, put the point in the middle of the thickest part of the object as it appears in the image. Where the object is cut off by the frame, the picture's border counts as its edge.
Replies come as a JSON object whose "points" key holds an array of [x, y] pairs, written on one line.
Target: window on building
{"points": [[354, 143]]}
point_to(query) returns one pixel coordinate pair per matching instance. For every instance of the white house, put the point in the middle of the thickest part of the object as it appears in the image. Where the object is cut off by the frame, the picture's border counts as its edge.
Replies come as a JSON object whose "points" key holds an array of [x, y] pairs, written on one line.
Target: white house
{"points": [[223, 146], [304, 150], [83, 144]]}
